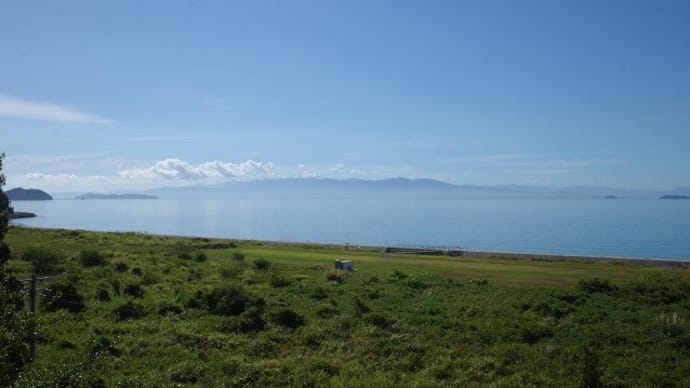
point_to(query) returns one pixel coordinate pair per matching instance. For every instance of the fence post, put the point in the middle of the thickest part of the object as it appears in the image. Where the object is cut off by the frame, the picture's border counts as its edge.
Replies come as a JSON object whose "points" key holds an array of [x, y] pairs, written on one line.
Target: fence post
{"points": [[32, 340]]}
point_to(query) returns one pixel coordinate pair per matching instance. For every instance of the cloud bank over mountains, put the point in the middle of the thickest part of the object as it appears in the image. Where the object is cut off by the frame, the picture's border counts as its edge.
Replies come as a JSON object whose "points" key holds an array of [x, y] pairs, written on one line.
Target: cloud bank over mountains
{"points": [[171, 172], [177, 169]]}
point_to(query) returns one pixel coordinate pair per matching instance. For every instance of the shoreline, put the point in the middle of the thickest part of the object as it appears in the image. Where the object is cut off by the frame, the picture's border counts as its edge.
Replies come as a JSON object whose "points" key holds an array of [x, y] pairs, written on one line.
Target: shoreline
{"points": [[469, 253]]}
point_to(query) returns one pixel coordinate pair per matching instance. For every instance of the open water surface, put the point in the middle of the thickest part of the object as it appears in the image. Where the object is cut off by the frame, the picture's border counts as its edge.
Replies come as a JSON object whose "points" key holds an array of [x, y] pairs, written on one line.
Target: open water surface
{"points": [[635, 228]]}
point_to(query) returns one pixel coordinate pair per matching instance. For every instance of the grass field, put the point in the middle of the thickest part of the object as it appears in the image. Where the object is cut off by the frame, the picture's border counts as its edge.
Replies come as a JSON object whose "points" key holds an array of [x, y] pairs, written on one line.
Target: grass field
{"points": [[126, 309]]}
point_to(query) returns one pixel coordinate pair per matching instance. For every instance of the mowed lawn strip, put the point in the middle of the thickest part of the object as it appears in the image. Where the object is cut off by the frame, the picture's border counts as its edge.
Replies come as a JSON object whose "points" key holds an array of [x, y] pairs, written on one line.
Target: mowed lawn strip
{"points": [[504, 271]]}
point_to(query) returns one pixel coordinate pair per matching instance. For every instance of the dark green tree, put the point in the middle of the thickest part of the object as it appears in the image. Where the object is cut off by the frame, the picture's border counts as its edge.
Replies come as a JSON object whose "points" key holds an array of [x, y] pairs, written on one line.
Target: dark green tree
{"points": [[13, 322]]}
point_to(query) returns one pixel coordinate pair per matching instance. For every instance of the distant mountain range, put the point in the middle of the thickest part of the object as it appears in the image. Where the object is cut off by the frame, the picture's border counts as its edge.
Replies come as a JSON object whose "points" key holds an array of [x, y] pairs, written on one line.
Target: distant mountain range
{"points": [[114, 196], [674, 197], [394, 188], [22, 194]]}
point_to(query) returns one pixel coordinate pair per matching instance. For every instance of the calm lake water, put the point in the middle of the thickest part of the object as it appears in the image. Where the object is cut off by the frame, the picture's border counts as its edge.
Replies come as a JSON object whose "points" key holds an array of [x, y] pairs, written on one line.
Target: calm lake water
{"points": [[636, 228]]}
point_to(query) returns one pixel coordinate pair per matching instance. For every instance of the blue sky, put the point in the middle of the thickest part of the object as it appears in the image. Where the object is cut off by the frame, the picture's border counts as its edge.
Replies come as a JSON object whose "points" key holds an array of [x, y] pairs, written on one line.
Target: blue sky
{"points": [[138, 94]]}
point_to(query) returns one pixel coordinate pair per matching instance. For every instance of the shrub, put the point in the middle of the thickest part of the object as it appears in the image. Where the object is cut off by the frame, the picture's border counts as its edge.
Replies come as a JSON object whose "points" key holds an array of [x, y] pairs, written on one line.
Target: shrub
{"points": [[62, 296], [101, 345], [134, 289], [279, 281], [336, 276], [360, 307], [287, 318], [319, 294], [185, 256], [120, 266], [660, 289], [136, 271], [150, 278], [43, 260], [167, 308], [193, 274], [90, 258], [416, 284], [102, 295], [128, 311], [238, 256], [479, 282], [116, 285], [249, 321], [232, 300], [197, 301], [186, 372], [201, 256], [325, 310], [379, 321], [671, 324], [261, 264], [397, 275], [594, 285], [533, 333]]}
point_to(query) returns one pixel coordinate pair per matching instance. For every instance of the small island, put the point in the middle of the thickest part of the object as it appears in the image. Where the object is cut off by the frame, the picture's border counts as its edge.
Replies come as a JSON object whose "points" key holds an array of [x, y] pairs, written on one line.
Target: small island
{"points": [[610, 197], [22, 194], [15, 215], [675, 197], [114, 196]]}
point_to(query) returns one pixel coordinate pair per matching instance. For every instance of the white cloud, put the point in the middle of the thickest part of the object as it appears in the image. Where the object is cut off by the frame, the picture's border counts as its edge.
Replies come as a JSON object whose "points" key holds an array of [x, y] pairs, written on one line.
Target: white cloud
{"points": [[18, 108], [176, 169]]}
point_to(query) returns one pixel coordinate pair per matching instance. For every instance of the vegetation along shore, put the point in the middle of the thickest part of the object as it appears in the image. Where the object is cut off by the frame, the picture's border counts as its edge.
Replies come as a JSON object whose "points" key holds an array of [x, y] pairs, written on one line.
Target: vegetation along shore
{"points": [[124, 309]]}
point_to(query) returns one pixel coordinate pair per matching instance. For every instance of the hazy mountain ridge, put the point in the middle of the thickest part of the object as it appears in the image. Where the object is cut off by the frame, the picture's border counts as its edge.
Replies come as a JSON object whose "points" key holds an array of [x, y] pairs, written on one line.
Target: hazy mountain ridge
{"points": [[393, 188], [114, 196]]}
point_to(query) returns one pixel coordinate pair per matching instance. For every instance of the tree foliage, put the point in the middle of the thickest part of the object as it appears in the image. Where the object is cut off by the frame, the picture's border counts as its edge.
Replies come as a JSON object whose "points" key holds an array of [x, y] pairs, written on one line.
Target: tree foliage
{"points": [[13, 349]]}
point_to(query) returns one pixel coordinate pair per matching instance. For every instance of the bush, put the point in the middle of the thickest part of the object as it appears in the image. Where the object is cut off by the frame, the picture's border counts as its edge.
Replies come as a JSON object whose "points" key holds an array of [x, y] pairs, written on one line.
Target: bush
{"points": [[238, 256], [287, 318], [319, 294], [43, 260], [62, 296], [249, 321], [594, 285], [136, 271], [151, 278], [479, 282], [228, 299], [185, 256], [102, 295], [671, 324], [116, 285], [120, 266], [279, 281], [261, 264], [326, 310], [336, 276], [134, 289], [533, 333], [128, 311], [201, 256], [90, 258], [360, 307], [168, 308], [415, 284], [101, 345], [379, 321], [186, 372]]}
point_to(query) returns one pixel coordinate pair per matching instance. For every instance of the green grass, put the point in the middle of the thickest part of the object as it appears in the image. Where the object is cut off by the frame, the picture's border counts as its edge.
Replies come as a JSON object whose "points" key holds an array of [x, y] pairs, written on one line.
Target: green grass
{"points": [[399, 320]]}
